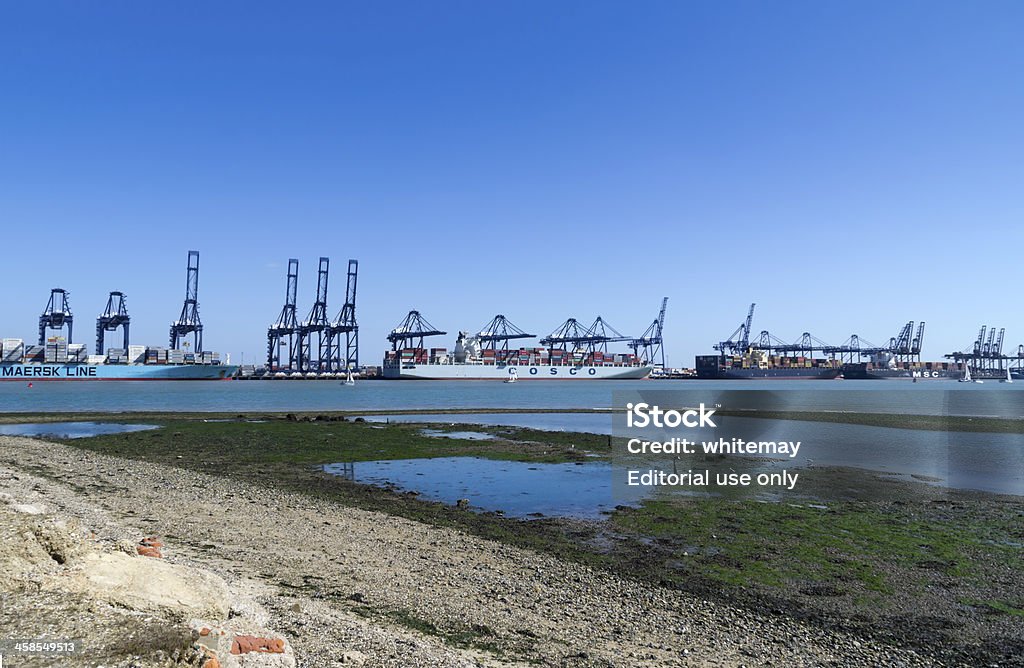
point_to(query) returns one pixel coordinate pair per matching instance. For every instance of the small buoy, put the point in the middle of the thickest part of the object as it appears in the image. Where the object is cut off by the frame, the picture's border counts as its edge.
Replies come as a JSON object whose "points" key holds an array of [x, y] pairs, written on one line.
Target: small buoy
{"points": [[30, 384]]}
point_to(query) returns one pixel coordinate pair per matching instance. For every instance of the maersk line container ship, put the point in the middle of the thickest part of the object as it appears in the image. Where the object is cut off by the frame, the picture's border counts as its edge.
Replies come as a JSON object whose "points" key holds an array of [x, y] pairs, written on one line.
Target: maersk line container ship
{"points": [[59, 360], [474, 359]]}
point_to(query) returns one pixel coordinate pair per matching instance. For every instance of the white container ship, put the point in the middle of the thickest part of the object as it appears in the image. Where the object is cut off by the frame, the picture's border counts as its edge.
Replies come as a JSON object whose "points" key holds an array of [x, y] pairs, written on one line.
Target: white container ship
{"points": [[571, 353]]}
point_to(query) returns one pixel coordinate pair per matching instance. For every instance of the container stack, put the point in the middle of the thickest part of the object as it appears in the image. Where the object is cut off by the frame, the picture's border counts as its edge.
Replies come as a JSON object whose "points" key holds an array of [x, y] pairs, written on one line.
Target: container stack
{"points": [[157, 356], [77, 354], [116, 356], [96, 359], [136, 354], [176, 356], [56, 350], [12, 351], [35, 354]]}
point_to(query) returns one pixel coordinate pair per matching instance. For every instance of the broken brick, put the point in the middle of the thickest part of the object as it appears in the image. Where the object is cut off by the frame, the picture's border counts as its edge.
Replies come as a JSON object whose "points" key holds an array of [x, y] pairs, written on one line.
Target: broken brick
{"points": [[246, 644]]}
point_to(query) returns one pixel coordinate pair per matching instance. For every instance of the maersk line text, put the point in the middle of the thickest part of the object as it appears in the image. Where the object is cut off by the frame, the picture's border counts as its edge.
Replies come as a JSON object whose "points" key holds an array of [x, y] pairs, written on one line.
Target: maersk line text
{"points": [[642, 415]]}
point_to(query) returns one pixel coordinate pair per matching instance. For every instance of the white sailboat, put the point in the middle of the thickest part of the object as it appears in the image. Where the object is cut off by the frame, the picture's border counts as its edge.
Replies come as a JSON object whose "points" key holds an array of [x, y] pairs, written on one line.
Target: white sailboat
{"points": [[967, 375], [349, 380], [513, 376], [1008, 378]]}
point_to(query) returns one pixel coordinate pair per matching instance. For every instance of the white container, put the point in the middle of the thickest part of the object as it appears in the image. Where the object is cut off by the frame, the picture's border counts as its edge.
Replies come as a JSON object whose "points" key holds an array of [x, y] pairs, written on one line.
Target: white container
{"points": [[96, 359]]}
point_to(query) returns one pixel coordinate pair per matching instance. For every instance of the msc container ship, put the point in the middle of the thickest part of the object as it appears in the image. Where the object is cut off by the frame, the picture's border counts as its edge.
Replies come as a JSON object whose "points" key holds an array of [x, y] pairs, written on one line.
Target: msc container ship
{"points": [[59, 360]]}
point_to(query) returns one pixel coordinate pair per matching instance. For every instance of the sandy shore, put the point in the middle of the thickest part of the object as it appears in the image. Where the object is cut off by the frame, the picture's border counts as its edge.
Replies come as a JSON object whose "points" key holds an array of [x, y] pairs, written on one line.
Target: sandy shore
{"points": [[351, 587]]}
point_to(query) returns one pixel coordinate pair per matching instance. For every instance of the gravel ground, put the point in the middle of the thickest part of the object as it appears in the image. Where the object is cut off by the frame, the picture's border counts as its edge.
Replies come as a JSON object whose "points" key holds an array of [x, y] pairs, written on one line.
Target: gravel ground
{"points": [[350, 587]]}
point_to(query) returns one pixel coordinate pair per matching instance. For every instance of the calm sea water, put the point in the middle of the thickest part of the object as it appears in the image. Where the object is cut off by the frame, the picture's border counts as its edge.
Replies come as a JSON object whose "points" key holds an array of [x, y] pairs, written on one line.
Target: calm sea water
{"points": [[928, 397]]}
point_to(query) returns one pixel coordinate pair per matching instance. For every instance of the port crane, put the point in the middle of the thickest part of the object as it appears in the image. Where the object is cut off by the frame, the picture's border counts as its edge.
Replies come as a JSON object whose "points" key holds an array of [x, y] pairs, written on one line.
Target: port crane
{"points": [[56, 315], [734, 345], [806, 345], [985, 357], [414, 328], [114, 315], [315, 324], [283, 333], [345, 324], [584, 339], [650, 341], [496, 334], [188, 322], [904, 347]]}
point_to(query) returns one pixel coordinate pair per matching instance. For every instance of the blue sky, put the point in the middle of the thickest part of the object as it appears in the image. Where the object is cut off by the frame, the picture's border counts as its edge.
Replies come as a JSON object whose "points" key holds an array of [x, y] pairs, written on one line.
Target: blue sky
{"points": [[848, 166]]}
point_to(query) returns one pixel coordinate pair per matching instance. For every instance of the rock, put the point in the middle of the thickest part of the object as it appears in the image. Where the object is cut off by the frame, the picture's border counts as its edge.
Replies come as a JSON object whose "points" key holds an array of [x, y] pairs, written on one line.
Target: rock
{"points": [[462, 503], [353, 658], [27, 509], [149, 585]]}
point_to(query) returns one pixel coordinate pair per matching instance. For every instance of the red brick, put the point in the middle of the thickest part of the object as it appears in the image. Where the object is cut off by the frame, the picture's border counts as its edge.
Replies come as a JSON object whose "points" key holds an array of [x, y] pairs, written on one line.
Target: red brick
{"points": [[246, 644]]}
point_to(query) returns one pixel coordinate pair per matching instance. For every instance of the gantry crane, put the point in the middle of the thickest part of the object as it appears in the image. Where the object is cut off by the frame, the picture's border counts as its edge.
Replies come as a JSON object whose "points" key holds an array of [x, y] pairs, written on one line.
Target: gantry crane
{"points": [[413, 328], [315, 324], [188, 322], [345, 325], [496, 334], [56, 315], [114, 315], [650, 341], [734, 345], [284, 332]]}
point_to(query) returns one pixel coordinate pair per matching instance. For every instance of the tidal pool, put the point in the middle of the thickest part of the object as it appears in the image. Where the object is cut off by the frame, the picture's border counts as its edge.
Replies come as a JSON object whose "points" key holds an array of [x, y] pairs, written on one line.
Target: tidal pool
{"points": [[71, 429], [519, 489]]}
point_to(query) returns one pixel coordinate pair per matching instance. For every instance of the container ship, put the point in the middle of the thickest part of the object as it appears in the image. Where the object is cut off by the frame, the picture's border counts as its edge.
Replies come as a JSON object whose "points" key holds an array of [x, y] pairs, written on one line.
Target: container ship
{"points": [[573, 352], [59, 360], [759, 364], [883, 370]]}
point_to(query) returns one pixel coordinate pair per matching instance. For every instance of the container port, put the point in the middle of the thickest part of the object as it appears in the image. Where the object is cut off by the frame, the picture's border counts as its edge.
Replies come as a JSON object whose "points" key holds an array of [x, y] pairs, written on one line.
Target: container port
{"points": [[742, 356], [57, 357]]}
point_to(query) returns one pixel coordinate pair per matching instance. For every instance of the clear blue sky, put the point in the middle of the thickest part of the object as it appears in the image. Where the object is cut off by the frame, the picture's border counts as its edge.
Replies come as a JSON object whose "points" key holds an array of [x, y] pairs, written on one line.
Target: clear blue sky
{"points": [[847, 165]]}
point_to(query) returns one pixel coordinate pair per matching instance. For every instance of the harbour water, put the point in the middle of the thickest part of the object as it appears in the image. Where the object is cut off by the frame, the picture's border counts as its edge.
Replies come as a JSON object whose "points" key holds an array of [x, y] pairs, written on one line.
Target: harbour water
{"points": [[924, 398]]}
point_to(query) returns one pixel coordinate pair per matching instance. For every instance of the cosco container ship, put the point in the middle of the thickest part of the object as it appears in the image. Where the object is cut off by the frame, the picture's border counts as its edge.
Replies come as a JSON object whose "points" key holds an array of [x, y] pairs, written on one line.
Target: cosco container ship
{"points": [[487, 356], [59, 360]]}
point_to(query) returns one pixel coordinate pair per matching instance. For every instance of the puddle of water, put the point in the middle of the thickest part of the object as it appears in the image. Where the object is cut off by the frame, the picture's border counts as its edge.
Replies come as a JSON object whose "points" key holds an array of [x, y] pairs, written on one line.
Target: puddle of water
{"points": [[467, 435], [70, 429], [519, 489]]}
